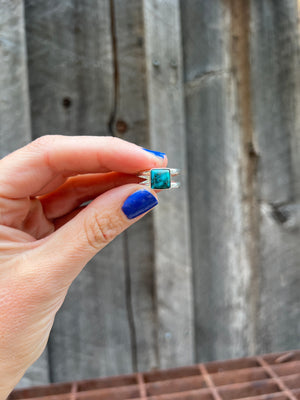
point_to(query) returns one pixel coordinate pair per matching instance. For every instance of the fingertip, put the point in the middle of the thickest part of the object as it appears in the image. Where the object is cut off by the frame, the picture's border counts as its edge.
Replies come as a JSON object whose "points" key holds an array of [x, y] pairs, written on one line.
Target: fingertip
{"points": [[160, 158], [165, 161], [158, 154]]}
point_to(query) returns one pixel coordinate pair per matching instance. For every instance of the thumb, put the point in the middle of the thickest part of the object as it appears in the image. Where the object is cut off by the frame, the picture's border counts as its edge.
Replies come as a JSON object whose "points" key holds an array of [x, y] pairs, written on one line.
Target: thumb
{"points": [[76, 242]]}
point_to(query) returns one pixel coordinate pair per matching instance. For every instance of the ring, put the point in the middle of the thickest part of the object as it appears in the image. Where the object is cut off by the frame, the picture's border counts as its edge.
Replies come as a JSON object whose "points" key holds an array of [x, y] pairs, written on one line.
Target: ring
{"points": [[160, 178]]}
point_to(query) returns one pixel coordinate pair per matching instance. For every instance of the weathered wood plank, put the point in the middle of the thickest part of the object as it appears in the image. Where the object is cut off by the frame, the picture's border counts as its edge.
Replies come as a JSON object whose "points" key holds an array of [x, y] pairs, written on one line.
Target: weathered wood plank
{"points": [[220, 202], [70, 70], [91, 334], [72, 90], [131, 123], [15, 130], [171, 228], [276, 102], [14, 106]]}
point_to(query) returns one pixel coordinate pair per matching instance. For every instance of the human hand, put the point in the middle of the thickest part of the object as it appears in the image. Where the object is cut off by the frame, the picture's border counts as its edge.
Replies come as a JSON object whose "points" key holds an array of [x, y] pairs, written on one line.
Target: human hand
{"points": [[46, 238]]}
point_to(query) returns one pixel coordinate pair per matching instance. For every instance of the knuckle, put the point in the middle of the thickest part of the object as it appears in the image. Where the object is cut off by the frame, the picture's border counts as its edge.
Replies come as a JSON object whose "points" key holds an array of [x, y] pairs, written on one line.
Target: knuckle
{"points": [[114, 141], [100, 229], [45, 145], [44, 141]]}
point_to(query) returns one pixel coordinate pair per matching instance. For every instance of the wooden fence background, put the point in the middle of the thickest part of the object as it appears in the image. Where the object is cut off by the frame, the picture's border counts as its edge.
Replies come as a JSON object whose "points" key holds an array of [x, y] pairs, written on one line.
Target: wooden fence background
{"points": [[214, 272]]}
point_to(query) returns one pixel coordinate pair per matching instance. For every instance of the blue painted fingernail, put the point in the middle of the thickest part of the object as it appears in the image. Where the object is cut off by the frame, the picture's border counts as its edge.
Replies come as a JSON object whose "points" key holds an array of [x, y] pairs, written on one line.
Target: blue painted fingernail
{"points": [[156, 153], [138, 203]]}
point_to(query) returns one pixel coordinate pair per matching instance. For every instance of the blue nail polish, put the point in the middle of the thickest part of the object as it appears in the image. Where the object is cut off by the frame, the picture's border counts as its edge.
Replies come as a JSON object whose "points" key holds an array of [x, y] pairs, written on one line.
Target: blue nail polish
{"points": [[138, 203], [156, 153]]}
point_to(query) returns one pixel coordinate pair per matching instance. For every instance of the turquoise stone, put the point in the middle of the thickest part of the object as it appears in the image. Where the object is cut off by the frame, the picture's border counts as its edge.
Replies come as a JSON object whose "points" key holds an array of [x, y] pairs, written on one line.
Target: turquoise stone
{"points": [[160, 178]]}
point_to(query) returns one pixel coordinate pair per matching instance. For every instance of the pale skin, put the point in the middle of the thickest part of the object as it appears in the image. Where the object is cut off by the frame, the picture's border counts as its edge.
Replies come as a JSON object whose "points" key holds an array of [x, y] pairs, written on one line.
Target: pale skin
{"points": [[46, 239]]}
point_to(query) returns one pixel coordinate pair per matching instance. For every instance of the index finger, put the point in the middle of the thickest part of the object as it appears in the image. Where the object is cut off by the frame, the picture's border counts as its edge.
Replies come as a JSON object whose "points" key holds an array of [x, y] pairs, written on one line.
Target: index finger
{"points": [[27, 171]]}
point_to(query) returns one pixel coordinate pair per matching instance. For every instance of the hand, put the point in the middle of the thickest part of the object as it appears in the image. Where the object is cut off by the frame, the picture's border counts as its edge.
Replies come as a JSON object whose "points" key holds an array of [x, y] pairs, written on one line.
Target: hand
{"points": [[46, 238]]}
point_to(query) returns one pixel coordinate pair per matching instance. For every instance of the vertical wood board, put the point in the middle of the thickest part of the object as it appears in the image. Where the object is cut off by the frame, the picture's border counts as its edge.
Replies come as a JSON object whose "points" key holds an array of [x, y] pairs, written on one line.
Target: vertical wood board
{"points": [[171, 219], [90, 336], [131, 123], [14, 101], [215, 136], [70, 66], [275, 97]]}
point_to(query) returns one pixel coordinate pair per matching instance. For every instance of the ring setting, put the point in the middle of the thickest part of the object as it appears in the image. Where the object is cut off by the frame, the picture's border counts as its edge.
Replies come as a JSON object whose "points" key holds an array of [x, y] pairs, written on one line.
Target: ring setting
{"points": [[160, 178]]}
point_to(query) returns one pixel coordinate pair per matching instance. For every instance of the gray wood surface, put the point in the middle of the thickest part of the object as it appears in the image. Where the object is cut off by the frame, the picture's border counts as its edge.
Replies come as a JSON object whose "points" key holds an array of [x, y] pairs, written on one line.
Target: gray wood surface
{"points": [[213, 272], [215, 135], [242, 107], [275, 83], [14, 101], [91, 335], [70, 66], [131, 123], [175, 325]]}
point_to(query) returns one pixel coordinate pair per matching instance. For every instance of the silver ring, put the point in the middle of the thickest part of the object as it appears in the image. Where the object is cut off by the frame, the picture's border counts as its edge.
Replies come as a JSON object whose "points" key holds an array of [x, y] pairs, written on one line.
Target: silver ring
{"points": [[160, 178]]}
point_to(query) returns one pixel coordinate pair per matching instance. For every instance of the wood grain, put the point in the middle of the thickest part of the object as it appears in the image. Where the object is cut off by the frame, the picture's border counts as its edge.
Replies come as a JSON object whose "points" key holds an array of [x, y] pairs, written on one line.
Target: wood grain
{"points": [[219, 190], [275, 97], [91, 335], [70, 66], [131, 123], [14, 107], [172, 260]]}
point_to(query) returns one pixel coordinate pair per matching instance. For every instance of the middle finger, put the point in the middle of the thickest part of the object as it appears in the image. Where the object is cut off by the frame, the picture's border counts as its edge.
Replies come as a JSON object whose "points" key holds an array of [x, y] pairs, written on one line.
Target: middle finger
{"points": [[81, 188]]}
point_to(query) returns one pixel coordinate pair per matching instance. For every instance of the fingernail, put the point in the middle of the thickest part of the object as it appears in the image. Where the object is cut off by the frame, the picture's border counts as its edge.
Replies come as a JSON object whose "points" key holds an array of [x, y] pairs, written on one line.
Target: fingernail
{"points": [[138, 203], [156, 153]]}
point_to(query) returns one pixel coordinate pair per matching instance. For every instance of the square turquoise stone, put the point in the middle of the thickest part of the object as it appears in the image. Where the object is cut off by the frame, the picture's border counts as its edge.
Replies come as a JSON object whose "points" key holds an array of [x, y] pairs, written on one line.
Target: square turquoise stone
{"points": [[160, 178]]}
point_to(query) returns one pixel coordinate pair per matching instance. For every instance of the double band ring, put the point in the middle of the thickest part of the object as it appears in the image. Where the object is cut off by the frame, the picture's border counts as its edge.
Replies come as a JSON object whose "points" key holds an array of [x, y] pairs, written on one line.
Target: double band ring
{"points": [[160, 178]]}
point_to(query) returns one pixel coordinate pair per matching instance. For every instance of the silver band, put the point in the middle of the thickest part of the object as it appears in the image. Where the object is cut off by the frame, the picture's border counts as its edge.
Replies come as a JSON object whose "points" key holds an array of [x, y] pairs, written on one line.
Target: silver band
{"points": [[146, 174]]}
